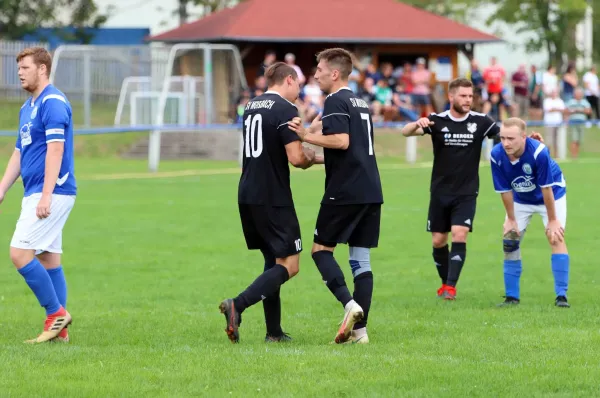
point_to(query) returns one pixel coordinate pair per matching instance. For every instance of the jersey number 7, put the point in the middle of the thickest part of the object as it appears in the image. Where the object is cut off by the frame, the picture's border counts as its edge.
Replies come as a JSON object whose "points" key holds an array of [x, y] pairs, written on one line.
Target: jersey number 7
{"points": [[367, 118], [253, 133]]}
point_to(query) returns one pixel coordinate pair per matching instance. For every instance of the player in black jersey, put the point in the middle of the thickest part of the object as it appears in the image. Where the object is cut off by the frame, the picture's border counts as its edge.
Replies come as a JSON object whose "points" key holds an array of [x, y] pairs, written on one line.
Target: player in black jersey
{"points": [[265, 199], [457, 136], [351, 206]]}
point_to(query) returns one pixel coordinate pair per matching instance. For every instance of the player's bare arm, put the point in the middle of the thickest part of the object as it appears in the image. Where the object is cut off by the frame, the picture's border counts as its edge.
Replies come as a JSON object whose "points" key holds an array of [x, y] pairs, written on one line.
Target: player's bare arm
{"points": [[312, 136], [509, 205], [416, 128], [13, 171], [554, 231], [54, 157], [299, 156], [331, 141]]}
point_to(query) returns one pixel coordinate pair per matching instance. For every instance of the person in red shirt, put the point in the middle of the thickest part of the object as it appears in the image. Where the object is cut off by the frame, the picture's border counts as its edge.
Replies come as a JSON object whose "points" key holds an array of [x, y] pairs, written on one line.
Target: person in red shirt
{"points": [[494, 79]]}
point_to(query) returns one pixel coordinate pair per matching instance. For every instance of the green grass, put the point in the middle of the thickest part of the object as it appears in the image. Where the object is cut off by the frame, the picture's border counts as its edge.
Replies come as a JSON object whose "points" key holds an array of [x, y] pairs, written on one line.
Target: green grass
{"points": [[149, 260], [102, 114]]}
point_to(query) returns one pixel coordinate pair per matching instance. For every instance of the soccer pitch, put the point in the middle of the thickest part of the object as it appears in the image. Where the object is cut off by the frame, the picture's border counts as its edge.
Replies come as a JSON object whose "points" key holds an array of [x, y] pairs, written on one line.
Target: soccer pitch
{"points": [[148, 261]]}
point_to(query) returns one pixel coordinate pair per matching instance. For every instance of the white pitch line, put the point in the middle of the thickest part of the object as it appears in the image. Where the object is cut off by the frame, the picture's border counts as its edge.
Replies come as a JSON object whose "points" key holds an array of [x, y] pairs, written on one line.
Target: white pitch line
{"points": [[211, 172]]}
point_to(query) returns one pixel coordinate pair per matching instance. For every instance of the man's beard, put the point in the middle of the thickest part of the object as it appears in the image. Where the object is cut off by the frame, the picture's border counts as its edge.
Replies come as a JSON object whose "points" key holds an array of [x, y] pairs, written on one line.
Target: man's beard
{"points": [[459, 109]]}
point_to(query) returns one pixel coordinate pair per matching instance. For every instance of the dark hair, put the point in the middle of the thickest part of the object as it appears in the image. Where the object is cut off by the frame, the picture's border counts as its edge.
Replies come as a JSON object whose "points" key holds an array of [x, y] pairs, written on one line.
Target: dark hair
{"points": [[339, 59], [460, 82], [276, 73], [39, 55]]}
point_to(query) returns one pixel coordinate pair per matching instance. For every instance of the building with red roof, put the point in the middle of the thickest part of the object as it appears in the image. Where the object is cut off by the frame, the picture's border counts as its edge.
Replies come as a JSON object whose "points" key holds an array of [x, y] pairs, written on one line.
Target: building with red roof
{"points": [[375, 30]]}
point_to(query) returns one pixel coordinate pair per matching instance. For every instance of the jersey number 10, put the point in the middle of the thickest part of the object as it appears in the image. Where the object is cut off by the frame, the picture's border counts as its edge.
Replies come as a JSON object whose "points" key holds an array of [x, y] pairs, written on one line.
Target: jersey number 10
{"points": [[254, 140]]}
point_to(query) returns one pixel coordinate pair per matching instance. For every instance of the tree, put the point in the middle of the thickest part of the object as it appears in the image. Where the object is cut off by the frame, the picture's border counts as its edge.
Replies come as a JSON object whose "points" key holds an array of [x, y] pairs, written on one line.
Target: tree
{"points": [[207, 7], [458, 10], [21, 17], [551, 24]]}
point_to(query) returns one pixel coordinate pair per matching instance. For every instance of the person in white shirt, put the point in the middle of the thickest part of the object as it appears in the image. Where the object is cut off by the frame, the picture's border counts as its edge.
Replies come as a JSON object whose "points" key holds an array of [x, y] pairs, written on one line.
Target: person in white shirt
{"points": [[549, 81], [290, 59], [554, 108], [592, 91]]}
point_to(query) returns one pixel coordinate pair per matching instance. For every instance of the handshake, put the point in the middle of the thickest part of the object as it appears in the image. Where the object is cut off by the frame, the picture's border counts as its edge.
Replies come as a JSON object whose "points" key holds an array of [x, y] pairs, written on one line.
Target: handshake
{"points": [[315, 127]]}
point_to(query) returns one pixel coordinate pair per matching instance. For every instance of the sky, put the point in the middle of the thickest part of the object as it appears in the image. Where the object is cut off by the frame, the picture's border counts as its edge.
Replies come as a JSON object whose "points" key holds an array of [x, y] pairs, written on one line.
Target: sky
{"points": [[146, 14]]}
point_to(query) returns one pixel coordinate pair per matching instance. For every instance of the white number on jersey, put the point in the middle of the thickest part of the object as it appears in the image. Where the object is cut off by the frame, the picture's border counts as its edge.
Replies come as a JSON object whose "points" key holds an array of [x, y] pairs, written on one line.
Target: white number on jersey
{"points": [[367, 118], [298, 244], [254, 139]]}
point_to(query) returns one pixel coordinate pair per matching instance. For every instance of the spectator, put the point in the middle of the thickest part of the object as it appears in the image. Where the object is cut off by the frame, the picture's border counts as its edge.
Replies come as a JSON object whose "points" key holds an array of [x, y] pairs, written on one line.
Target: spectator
{"points": [[494, 76], [578, 109], [270, 58], [406, 78], [386, 73], [403, 103], [535, 89], [478, 85], [260, 86], [383, 99], [421, 79], [549, 81], [371, 72], [592, 90], [241, 104], [554, 107], [312, 92], [492, 107], [520, 83], [569, 82], [290, 59]]}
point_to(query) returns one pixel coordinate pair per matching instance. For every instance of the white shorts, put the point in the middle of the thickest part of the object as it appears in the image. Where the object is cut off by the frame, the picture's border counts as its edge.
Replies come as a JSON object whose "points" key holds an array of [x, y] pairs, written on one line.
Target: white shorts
{"points": [[523, 213], [42, 235]]}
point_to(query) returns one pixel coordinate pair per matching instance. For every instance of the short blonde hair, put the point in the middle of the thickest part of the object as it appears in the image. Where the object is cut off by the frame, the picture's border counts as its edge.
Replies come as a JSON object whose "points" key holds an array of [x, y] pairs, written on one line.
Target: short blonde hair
{"points": [[515, 121], [39, 55]]}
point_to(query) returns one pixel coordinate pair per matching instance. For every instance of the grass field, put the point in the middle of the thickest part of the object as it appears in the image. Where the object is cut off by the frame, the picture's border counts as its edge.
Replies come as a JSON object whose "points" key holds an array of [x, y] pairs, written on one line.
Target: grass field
{"points": [[149, 259]]}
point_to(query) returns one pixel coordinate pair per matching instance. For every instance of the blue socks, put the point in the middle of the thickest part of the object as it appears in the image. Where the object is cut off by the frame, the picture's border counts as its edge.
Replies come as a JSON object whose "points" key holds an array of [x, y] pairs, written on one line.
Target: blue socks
{"points": [[512, 274], [40, 283], [60, 284], [560, 270]]}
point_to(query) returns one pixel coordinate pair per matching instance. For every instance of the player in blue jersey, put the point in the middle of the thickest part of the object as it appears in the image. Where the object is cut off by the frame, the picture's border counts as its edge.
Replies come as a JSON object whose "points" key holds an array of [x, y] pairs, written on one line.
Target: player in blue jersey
{"points": [[43, 158], [530, 182]]}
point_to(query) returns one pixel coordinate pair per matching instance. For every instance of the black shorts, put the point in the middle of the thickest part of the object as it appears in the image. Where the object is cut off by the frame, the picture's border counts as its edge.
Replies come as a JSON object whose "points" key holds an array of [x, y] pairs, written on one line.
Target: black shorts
{"points": [[356, 225], [271, 228], [448, 210]]}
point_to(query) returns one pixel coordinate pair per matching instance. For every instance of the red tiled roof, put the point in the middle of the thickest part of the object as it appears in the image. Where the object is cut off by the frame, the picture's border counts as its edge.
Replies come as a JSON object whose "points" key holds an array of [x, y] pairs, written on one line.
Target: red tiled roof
{"points": [[355, 21]]}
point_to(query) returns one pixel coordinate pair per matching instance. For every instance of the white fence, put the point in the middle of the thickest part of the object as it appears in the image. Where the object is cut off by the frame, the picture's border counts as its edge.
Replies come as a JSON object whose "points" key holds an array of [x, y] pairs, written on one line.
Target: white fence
{"points": [[10, 86]]}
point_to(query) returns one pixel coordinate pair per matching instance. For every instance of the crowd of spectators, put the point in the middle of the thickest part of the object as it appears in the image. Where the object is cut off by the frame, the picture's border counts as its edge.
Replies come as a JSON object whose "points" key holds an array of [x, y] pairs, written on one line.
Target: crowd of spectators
{"points": [[405, 93]]}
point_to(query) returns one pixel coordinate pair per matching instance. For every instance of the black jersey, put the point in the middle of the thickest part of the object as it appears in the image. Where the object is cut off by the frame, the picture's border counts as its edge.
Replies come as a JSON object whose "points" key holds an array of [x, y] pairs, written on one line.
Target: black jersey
{"points": [[351, 175], [457, 151], [265, 176]]}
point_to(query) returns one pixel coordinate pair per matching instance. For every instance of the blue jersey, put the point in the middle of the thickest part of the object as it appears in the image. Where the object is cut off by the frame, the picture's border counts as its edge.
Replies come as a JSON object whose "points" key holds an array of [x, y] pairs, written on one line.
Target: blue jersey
{"points": [[526, 176], [41, 121]]}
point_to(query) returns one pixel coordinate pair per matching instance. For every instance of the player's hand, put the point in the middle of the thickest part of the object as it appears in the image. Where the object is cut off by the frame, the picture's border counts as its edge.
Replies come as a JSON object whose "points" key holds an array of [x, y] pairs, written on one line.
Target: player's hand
{"points": [[43, 207], [316, 125], [511, 225], [424, 122], [310, 155], [537, 136], [296, 126], [555, 232]]}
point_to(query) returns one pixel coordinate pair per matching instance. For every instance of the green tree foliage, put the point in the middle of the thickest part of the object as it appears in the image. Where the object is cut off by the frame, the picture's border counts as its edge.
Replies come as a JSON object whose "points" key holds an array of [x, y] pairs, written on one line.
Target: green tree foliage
{"points": [[551, 23], [21, 17], [458, 10]]}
